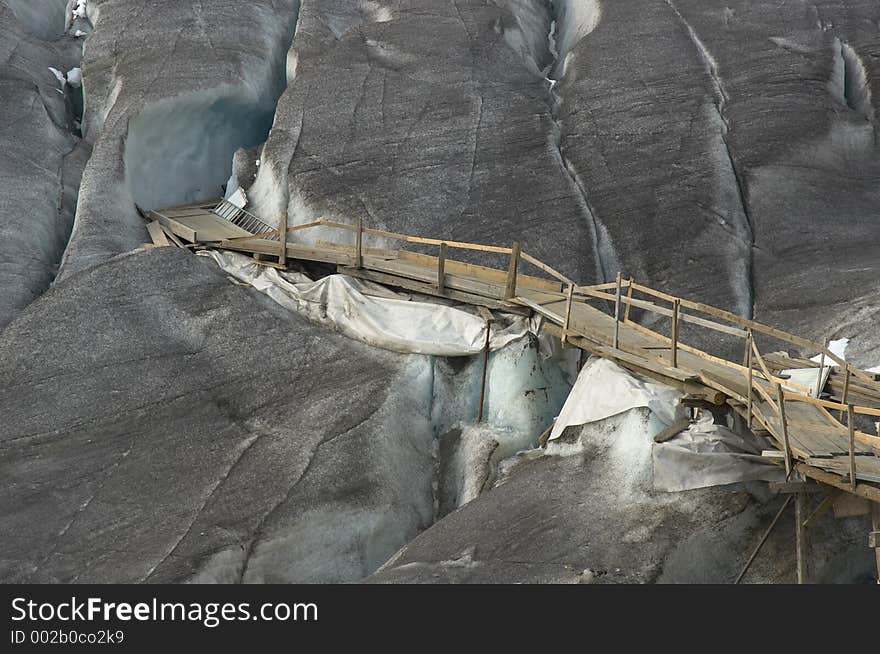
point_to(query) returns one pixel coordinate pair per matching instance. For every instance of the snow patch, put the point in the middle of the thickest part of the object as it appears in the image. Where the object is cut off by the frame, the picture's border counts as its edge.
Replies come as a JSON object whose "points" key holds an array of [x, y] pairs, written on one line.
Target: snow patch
{"points": [[74, 77], [604, 389], [62, 79], [375, 12], [838, 348]]}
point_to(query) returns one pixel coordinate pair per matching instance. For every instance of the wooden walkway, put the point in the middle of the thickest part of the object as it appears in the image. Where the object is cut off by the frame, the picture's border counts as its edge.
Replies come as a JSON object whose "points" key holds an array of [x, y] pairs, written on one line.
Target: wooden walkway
{"points": [[813, 431]]}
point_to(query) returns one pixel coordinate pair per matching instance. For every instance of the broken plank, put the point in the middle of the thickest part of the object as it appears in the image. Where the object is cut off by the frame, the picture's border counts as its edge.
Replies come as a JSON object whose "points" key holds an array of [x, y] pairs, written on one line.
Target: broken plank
{"points": [[172, 237], [176, 227], [157, 234]]}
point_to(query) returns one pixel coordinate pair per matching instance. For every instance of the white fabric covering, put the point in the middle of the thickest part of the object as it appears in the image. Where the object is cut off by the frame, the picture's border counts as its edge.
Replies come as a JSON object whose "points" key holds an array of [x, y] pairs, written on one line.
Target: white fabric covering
{"points": [[705, 454], [371, 313], [604, 389]]}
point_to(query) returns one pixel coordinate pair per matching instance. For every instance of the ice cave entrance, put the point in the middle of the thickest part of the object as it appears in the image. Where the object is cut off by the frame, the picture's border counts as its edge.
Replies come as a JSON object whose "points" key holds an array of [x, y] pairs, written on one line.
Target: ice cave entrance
{"points": [[180, 151]]}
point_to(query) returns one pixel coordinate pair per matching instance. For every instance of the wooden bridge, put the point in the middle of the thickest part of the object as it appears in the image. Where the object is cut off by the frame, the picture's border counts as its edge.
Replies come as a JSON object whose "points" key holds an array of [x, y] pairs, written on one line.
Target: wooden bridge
{"points": [[819, 431]]}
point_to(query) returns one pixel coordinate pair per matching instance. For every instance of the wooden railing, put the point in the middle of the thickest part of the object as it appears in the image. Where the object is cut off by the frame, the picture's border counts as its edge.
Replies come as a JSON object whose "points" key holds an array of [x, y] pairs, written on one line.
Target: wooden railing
{"points": [[772, 389], [621, 295]]}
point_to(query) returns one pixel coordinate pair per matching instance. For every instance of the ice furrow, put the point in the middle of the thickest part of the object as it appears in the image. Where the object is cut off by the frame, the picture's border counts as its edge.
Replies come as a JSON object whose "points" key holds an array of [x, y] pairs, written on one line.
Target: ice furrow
{"points": [[722, 97]]}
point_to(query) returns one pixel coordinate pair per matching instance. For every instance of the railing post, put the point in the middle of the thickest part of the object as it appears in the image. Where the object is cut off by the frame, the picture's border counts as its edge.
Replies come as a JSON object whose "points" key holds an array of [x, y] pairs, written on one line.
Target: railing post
{"points": [[850, 422], [568, 297], [751, 375], [629, 296], [676, 307], [821, 370], [617, 314], [358, 247], [845, 396], [485, 370], [282, 239], [510, 289], [780, 399], [441, 269]]}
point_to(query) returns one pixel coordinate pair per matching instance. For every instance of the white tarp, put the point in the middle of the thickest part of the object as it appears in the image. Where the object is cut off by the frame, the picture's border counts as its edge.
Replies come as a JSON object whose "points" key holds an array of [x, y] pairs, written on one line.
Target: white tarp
{"points": [[805, 378], [371, 313], [705, 454], [604, 389]]}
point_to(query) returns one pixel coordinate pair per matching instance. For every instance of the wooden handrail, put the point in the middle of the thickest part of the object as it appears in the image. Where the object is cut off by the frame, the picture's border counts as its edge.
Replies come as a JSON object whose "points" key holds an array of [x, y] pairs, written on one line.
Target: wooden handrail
{"points": [[758, 327], [770, 377], [540, 265], [275, 232], [569, 291], [829, 404]]}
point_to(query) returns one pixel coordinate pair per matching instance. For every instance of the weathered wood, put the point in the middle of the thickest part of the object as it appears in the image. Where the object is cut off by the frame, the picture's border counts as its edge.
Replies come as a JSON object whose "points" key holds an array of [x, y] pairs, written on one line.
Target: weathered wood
{"points": [[629, 297], [828, 404], [175, 227], [617, 313], [801, 538], [780, 399], [823, 508], [441, 269], [173, 237], [282, 238], [485, 370], [373, 253], [493, 275], [568, 299], [675, 308], [510, 287], [672, 430], [763, 540], [276, 232], [294, 251], [863, 490], [358, 244], [751, 377], [769, 376], [850, 423], [795, 487], [756, 326], [157, 234], [683, 347], [663, 311], [540, 265], [725, 384]]}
